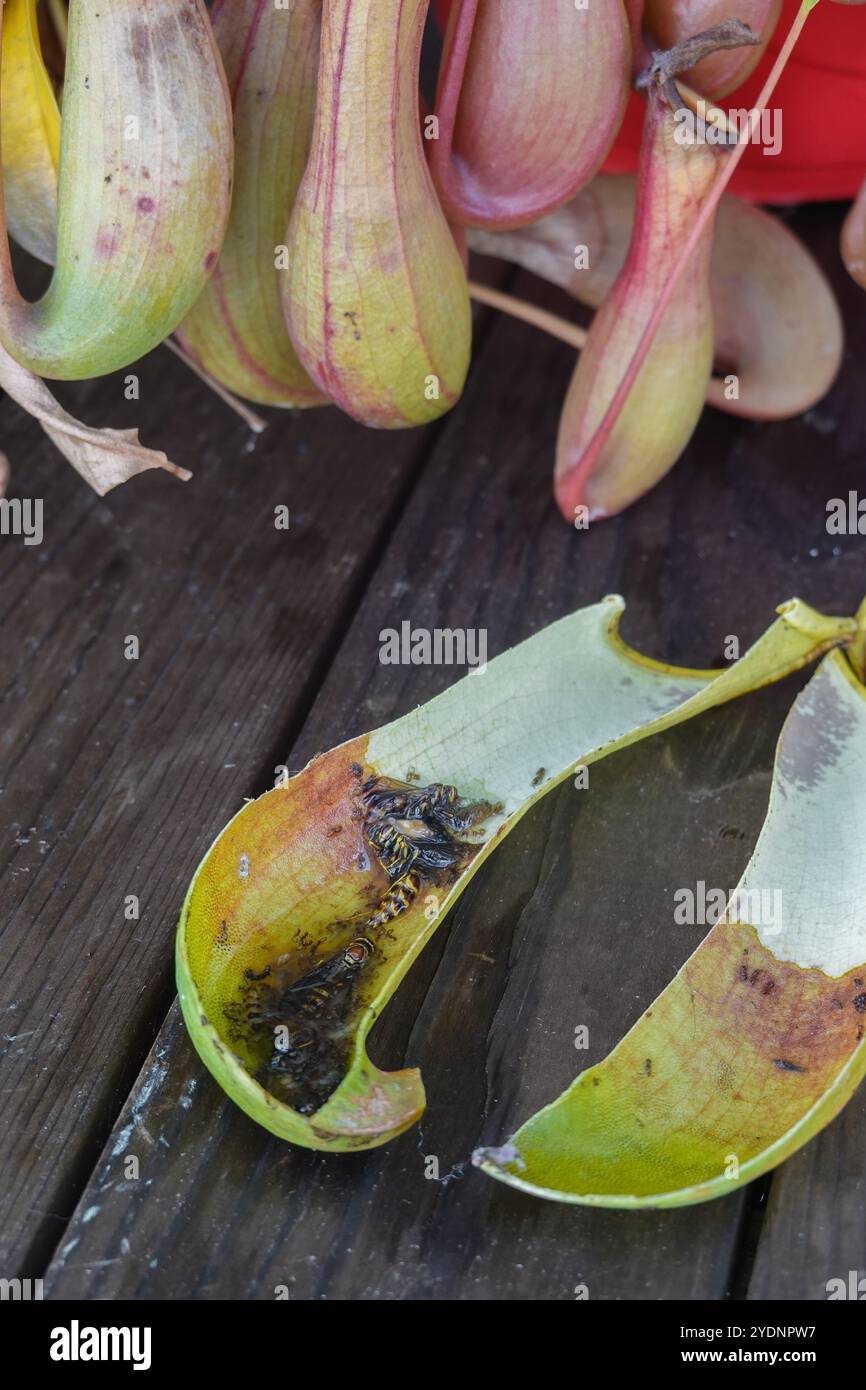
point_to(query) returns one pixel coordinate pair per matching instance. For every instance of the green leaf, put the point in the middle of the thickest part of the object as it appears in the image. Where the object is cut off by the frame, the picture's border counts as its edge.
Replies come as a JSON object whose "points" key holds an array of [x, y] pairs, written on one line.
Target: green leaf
{"points": [[294, 877]]}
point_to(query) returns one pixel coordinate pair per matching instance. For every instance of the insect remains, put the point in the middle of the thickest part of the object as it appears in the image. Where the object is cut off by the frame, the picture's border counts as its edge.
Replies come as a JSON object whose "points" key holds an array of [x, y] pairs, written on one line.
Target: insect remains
{"points": [[306, 1021], [415, 835], [413, 831]]}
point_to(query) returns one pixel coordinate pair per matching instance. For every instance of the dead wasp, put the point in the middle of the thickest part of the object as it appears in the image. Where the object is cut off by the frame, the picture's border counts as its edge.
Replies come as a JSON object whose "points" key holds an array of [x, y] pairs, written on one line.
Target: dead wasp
{"points": [[306, 997], [414, 827], [292, 1045], [320, 991], [399, 896], [413, 833], [438, 804], [306, 1020], [305, 1067], [402, 844]]}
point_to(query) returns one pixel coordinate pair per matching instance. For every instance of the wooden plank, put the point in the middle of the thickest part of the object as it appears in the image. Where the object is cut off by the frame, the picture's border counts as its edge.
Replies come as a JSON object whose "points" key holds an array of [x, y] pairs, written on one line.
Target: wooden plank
{"points": [[221, 1210], [813, 1231], [549, 936], [114, 770]]}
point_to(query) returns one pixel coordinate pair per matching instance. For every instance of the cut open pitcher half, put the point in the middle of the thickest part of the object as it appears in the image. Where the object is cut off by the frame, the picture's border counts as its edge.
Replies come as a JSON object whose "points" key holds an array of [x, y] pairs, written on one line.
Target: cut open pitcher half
{"points": [[310, 907]]}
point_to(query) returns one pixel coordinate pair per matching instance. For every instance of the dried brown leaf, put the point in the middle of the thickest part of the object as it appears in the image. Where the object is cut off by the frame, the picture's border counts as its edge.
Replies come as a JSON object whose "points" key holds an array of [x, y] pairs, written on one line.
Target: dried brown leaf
{"points": [[104, 457]]}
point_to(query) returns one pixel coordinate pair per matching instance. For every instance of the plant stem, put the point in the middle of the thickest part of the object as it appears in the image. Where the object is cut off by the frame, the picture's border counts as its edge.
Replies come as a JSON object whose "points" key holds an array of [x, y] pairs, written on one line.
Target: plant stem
{"points": [[561, 329], [60, 20], [557, 327], [731, 33], [250, 418]]}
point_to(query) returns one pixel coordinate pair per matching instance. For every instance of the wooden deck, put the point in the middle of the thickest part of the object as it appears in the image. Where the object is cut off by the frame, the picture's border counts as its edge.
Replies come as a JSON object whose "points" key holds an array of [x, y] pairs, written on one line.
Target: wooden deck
{"points": [[260, 647]]}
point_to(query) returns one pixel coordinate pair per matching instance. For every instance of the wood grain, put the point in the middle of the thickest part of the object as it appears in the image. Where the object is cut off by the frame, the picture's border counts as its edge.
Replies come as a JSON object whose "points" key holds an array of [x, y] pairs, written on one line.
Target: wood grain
{"points": [[552, 932], [114, 770]]}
